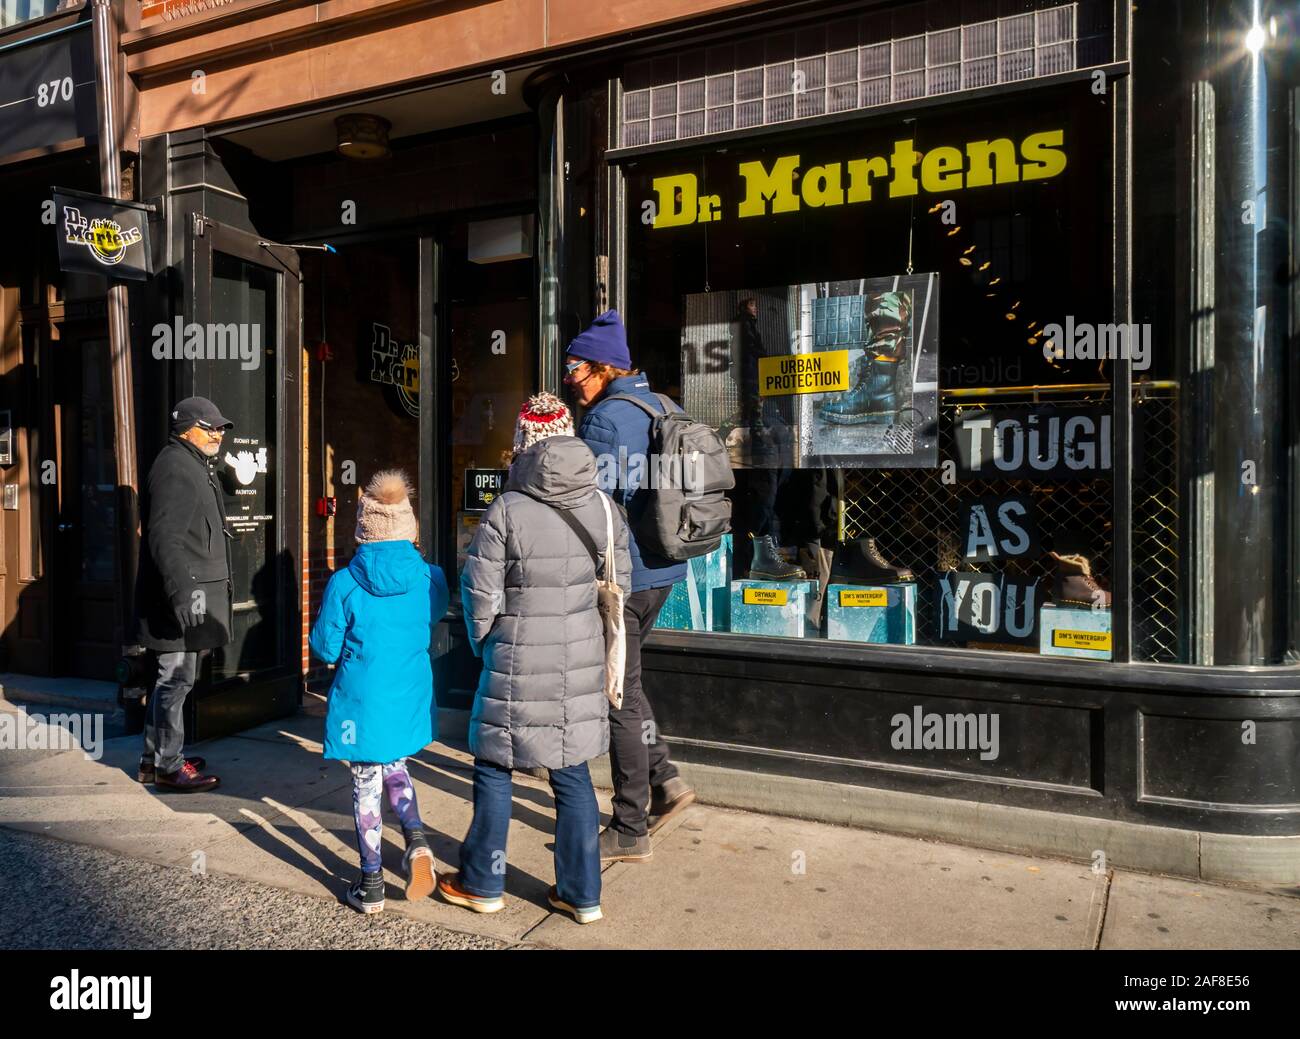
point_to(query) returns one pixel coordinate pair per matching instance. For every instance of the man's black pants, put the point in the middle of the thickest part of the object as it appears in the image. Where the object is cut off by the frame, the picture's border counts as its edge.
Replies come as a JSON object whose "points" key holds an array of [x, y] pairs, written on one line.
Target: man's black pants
{"points": [[638, 758]]}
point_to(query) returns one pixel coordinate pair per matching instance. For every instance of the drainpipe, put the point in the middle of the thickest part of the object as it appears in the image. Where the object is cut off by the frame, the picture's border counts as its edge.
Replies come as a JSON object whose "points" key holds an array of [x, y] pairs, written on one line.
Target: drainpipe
{"points": [[545, 92], [119, 335]]}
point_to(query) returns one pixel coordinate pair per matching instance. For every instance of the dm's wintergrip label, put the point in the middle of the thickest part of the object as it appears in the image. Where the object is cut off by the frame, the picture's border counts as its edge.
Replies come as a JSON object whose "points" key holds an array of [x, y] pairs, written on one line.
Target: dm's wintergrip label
{"points": [[864, 597], [766, 597], [824, 372], [1065, 639]]}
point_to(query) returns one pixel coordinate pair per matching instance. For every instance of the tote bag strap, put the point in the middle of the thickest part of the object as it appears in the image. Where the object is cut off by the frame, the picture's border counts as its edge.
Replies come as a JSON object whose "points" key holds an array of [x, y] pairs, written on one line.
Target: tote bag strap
{"points": [[584, 535], [611, 570]]}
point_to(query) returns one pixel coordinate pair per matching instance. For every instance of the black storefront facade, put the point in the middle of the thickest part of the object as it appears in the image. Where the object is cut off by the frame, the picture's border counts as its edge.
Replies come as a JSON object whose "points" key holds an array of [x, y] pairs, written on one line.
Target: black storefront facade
{"points": [[943, 205], [1145, 146]]}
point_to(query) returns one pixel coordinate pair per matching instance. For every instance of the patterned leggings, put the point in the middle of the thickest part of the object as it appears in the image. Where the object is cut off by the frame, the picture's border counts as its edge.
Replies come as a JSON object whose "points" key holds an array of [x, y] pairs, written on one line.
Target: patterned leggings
{"points": [[368, 784]]}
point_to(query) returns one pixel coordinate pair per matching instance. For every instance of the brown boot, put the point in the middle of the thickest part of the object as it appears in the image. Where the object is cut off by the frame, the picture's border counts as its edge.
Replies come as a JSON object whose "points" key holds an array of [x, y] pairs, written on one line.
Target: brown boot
{"points": [[667, 801], [1074, 584], [186, 779]]}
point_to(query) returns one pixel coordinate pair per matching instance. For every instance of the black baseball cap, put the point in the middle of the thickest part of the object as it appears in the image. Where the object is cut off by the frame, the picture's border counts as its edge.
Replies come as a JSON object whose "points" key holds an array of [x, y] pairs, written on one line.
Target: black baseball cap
{"points": [[198, 411]]}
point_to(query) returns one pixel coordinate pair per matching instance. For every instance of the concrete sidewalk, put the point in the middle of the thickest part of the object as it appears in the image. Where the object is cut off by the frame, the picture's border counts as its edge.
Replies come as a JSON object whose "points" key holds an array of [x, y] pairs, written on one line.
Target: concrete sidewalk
{"points": [[718, 879]]}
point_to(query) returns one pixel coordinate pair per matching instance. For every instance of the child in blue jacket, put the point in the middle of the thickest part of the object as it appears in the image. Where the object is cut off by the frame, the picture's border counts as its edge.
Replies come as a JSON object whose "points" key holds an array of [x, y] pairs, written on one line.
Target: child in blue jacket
{"points": [[376, 623]]}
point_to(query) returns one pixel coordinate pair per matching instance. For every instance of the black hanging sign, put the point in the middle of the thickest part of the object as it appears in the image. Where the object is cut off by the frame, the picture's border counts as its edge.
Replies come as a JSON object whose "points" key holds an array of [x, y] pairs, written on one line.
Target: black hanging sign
{"points": [[1045, 443], [47, 91], [99, 235], [998, 528], [988, 607]]}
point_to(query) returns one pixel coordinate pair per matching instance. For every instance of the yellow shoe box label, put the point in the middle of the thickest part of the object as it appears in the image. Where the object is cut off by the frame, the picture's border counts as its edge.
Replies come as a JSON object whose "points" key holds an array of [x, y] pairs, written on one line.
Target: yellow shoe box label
{"points": [[864, 597], [766, 596], [1065, 639]]}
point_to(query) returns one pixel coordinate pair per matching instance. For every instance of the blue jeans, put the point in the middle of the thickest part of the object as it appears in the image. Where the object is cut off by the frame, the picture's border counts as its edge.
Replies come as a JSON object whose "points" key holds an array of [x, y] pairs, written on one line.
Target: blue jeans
{"points": [[577, 822], [164, 725]]}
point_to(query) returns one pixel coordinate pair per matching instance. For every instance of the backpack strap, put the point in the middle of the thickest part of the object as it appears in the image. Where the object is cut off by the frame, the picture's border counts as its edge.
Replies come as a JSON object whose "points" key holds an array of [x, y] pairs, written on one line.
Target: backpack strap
{"points": [[642, 404]]}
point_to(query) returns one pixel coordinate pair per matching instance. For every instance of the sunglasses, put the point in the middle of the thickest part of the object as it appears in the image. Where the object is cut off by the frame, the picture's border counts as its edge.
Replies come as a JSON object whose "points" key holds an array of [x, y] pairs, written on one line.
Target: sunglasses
{"points": [[572, 366]]}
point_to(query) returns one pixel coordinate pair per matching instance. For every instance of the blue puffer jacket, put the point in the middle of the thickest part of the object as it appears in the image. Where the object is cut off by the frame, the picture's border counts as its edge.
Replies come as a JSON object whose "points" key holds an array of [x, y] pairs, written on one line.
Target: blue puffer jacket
{"points": [[616, 429], [376, 623]]}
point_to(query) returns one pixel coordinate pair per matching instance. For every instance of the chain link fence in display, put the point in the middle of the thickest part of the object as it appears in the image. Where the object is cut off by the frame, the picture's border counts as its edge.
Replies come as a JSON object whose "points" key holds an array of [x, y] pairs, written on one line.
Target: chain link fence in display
{"points": [[914, 516]]}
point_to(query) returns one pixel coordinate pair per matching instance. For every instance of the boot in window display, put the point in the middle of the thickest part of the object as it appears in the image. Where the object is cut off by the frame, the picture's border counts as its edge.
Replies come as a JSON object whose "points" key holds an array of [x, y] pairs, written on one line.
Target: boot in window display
{"points": [[861, 562], [769, 565], [878, 390], [1073, 583]]}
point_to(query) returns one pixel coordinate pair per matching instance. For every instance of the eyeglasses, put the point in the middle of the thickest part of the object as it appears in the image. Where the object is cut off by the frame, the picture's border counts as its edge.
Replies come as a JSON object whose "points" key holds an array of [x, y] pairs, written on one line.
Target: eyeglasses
{"points": [[572, 366], [207, 427]]}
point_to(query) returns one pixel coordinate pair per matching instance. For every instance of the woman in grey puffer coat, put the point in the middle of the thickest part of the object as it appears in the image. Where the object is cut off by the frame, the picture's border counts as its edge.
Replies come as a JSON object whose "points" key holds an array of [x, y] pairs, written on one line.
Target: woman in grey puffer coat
{"points": [[529, 594]]}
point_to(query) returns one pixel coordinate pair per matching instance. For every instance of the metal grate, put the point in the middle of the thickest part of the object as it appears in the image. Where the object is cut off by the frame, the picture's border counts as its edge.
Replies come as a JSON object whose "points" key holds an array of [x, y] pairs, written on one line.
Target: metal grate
{"points": [[914, 517], [711, 91]]}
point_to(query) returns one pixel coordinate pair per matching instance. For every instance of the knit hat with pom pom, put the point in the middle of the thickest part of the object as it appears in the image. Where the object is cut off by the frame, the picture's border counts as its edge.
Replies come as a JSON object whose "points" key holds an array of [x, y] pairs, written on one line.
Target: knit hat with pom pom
{"points": [[384, 511], [543, 415]]}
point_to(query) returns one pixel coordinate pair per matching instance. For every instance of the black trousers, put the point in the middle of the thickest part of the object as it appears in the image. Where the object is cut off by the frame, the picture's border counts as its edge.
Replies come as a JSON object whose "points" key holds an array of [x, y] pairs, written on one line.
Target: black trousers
{"points": [[638, 758]]}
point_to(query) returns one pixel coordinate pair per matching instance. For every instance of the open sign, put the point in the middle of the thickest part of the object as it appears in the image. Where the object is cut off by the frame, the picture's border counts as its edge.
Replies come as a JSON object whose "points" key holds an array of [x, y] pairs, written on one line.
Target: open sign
{"points": [[482, 487]]}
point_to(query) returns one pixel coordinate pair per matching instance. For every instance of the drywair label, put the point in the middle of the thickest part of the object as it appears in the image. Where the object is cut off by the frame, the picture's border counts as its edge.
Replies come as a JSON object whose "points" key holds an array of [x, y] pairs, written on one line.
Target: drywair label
{"points": [[766, 597], [1064, 639], [864, 597], [824, 372]]}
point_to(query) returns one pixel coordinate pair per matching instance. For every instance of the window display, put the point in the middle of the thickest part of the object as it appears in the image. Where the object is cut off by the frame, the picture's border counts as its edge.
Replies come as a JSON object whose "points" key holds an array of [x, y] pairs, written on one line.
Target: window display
{"points": [[912, 467]]}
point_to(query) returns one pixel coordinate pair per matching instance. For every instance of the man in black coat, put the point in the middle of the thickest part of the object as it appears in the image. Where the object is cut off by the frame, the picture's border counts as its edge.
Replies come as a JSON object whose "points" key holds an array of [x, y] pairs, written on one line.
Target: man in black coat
{"points": [[183, 597]]}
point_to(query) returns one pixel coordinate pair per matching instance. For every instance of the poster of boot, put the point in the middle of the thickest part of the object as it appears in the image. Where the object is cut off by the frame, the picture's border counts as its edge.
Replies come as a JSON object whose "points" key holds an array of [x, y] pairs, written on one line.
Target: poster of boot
{"points": [[871, 394], [829, 375]]}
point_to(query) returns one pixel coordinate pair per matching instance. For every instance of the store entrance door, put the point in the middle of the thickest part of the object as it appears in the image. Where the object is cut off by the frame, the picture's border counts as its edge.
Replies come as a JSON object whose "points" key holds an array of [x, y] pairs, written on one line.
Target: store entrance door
{"points": [[243, 307], [85, 522]]}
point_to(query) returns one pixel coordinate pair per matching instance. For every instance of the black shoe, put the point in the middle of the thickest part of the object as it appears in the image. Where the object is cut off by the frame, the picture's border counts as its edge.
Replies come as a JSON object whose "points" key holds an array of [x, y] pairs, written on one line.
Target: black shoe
{"points": [[367, 893], [147, 772], [768, 565], [418, 865], [860, 562], [623, 847]]}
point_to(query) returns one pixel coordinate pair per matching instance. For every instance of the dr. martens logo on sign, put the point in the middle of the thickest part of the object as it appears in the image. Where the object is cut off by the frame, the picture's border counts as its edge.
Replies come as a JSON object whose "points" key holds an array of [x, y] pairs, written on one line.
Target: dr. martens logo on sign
{"points": [[786, 184], [106, 239], [395, 366], [102, 236]]}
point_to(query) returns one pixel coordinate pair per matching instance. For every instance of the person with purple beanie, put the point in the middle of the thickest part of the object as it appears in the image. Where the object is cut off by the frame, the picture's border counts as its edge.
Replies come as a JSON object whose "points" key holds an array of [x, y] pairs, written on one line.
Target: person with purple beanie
{"points": [[599, 368]]}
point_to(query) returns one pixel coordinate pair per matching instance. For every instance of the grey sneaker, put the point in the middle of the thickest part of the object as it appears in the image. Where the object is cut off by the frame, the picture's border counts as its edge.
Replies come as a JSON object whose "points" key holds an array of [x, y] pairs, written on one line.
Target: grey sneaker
{"points": [[668, 800], [623, 847]]}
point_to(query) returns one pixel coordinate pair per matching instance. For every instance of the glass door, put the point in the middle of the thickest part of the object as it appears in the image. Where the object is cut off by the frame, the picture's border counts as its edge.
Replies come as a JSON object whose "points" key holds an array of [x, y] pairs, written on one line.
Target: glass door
{"points": [[243, 312]]}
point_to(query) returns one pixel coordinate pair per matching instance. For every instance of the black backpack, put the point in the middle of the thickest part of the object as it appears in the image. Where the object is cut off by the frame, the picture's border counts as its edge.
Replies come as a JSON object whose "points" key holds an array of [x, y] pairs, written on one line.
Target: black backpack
{"points": [[686, 511]]}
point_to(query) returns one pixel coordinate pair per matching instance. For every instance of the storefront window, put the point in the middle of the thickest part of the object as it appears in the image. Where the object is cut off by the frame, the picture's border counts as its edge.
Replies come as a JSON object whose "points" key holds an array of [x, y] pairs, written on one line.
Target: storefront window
{"points": [[15, 12], [903, 332], [493, 363]]}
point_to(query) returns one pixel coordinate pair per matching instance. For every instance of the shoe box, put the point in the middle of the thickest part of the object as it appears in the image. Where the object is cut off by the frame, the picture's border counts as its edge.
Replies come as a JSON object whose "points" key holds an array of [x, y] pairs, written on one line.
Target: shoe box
{"points": [[872, 613], [771, 607], [702, 602], [1074, 631]]}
